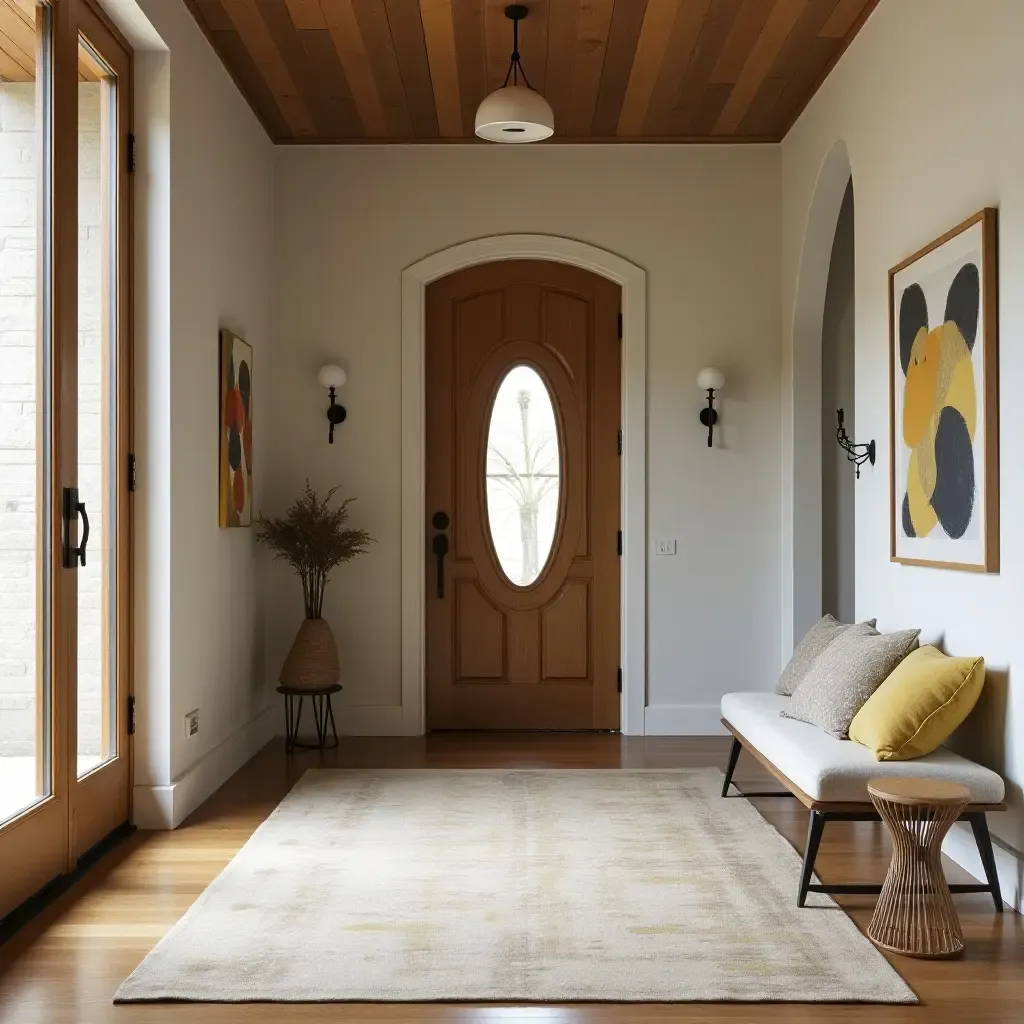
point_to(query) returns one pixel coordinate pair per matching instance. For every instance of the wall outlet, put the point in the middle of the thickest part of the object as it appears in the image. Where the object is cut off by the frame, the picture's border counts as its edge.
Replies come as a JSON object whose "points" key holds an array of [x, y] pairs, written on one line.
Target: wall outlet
{"points": [[191, 723], [664, 547]]}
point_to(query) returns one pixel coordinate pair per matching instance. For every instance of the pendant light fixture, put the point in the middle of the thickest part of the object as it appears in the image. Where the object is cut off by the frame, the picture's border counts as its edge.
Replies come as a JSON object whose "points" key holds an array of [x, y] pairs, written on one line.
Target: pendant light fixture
{"points": [[515, 113]]}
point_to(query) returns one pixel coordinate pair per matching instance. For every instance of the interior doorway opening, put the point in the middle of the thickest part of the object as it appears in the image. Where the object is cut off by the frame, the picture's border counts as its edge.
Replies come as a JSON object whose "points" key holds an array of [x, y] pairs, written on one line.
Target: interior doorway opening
{"points": [[838, 496]]}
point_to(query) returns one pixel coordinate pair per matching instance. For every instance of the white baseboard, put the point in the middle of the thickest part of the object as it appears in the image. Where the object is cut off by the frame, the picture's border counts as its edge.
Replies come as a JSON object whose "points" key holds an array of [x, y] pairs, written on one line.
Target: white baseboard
{"points": [[960, 846], [166, 807], [683, 720], [355, 720]]}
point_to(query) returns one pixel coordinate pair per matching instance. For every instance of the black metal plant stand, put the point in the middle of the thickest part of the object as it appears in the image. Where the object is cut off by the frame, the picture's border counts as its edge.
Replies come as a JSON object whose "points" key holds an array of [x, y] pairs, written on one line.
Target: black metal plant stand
{"points": [[323, 716]]}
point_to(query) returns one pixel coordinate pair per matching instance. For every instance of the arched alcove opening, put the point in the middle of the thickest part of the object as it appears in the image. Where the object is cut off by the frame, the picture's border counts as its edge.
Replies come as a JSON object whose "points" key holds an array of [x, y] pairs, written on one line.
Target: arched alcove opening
{"points": [[802, 583]]}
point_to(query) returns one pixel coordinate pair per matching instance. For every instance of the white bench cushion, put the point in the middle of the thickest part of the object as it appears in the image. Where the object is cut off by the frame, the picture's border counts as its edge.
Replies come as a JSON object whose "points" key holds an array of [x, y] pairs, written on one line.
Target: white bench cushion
{"points": [[834, 770]]}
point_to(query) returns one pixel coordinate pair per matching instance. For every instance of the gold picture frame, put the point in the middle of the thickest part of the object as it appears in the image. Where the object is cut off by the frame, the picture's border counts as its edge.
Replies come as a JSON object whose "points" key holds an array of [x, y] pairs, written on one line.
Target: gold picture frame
{"points": [[944, 401]]}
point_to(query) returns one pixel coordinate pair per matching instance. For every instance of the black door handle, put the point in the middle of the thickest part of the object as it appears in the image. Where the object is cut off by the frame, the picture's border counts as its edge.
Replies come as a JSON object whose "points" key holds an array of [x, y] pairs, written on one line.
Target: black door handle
{"points": [[439, 545], [72, 509]]}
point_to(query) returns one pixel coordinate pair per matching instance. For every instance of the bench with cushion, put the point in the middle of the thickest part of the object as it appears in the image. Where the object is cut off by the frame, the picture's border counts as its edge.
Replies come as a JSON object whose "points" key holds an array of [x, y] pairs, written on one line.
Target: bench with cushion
{"points": [[829, 777]]}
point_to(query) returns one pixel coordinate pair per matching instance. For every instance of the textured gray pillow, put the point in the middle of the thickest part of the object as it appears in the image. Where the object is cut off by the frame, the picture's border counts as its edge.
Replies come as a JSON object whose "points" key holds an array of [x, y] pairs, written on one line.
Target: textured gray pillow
{"points": [[818, 637], [846, 673]]}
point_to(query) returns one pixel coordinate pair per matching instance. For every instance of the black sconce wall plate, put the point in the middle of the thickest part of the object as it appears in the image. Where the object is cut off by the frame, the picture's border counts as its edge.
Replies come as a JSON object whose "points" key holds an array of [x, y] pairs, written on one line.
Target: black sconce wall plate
{"points": [[335, 414], [709, 416]]}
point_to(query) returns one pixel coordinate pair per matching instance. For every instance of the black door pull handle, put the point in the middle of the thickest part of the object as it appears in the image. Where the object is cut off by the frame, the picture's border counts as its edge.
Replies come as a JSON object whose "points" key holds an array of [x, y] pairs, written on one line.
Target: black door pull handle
{"points": [[439, 546], [72, 509]]}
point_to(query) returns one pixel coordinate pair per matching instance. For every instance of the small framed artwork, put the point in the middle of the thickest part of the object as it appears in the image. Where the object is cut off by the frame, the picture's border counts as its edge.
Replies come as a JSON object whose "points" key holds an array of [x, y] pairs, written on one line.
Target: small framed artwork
{"points": [[943, 401], [235, 431]]}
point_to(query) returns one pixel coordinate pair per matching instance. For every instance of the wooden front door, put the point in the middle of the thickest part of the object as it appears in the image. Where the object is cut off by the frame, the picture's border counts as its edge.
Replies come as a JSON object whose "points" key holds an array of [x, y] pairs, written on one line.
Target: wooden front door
{"points": [[522, 491]]}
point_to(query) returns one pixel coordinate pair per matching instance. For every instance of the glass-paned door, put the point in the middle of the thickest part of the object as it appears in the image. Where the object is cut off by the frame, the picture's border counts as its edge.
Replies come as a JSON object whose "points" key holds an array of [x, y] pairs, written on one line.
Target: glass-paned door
{"points": [[64, 429], [100, 497]]}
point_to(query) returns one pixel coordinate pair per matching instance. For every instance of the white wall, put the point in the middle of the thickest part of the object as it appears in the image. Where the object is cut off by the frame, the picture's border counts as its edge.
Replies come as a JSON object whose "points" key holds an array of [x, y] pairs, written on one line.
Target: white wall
{"points": [[205, 206], [703, 223], [928, 149]]}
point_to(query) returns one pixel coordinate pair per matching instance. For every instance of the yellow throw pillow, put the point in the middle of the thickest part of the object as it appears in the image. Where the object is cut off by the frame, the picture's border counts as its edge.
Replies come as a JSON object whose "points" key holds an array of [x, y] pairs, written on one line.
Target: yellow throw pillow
{"points": [[919, 705]]}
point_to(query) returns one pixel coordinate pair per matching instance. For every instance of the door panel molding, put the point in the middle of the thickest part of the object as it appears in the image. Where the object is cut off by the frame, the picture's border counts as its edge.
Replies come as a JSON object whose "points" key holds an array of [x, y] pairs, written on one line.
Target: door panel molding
{"points": [[633, 283]]}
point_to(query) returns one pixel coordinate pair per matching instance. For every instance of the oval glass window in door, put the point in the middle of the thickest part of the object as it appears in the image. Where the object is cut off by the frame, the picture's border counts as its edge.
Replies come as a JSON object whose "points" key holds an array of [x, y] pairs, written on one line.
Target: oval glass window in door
{"points": [[523, 469]]}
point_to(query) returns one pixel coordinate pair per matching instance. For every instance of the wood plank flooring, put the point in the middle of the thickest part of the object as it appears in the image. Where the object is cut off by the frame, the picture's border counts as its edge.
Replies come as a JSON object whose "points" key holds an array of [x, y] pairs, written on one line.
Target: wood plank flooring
{"points": [[64, 966]]}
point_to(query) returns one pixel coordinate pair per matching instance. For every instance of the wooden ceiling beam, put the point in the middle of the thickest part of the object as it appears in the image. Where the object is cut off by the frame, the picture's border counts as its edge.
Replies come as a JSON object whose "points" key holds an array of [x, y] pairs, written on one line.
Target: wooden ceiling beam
{"points": [[306, 15], [681, 51], [407, 38], [340, 19], [650, 52], [439, 33], [375, 28], [771, 40], [252, 29], [592, 28], [627, 20]]}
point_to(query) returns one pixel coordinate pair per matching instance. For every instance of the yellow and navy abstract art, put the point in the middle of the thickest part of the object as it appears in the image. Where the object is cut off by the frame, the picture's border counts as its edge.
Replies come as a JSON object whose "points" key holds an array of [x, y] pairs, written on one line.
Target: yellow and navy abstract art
{"points": [[940, 423]]}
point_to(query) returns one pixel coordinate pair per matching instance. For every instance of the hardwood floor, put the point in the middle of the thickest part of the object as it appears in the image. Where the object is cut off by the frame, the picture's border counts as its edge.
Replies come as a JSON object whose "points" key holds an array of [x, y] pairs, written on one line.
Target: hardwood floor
{"points": [[64, 966]]}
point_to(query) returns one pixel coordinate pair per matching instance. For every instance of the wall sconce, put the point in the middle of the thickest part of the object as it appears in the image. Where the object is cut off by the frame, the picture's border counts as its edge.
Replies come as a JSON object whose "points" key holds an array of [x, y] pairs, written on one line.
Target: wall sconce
{"points": [[858, 454], [333, 377], [710, 379]]}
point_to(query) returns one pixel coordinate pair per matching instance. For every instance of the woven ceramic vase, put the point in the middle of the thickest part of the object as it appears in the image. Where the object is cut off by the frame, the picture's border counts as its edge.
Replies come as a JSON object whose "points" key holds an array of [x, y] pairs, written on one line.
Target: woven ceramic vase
{"points": [[312, 663]]}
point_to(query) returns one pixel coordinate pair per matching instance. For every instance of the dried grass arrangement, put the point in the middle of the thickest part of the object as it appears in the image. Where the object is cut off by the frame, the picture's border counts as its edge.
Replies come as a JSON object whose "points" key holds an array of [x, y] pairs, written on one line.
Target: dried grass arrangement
{"points": [[313, 538]]}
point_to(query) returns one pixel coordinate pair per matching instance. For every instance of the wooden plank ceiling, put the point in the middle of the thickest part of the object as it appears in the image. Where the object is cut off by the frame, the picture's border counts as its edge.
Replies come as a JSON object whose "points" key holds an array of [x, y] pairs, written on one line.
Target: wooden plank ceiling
{"points": [[19, 43], [613, 70]]}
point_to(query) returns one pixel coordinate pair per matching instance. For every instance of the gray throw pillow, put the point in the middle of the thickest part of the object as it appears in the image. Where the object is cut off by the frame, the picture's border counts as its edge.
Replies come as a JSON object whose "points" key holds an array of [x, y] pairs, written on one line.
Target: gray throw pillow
{"points": [[818, 637], [846, 673]]}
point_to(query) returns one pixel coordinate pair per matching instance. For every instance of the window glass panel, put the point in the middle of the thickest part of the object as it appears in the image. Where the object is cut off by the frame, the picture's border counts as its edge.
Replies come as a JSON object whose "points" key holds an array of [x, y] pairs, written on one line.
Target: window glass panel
{"points": [[523, 475], [25, 459], [97, 427]]}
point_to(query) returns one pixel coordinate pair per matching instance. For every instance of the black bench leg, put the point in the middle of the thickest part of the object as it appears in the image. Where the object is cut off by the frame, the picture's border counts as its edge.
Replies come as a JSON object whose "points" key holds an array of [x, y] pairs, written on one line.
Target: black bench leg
{"points": [[734, 756], [979, 823], [815, 827]]}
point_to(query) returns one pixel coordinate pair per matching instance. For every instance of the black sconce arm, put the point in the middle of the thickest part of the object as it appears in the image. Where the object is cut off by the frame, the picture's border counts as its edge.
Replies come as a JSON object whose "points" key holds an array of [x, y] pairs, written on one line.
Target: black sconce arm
{"points": [[858, 454], [335, 414], [709, 416]]}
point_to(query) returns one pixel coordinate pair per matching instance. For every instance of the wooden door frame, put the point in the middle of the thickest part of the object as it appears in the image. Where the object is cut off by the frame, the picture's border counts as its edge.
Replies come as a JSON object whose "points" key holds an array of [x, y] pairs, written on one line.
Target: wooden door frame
{"points": [[410, 717]]}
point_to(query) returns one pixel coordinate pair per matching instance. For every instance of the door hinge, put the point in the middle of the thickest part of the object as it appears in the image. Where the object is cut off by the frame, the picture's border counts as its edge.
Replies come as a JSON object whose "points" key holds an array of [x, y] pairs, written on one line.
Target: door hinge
{"points": [[620, 679], [620, 326], [620, 542], [131, 153], [131, 715], [133, 474], [620, 441]]}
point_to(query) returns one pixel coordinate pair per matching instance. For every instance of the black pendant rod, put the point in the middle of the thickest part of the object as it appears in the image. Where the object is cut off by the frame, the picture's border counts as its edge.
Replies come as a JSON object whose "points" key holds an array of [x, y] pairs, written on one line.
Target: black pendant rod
{"points": [[515, 13]]}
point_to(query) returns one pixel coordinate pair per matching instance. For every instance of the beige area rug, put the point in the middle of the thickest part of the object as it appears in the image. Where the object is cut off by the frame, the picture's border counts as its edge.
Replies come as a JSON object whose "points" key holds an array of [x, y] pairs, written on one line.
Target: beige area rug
{"points": [[513, 885]]}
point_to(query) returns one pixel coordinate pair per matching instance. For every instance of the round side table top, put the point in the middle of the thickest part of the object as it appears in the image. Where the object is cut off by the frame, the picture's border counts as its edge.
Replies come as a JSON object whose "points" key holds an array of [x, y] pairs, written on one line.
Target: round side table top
{"points": [[910, 791], [291, 692]]}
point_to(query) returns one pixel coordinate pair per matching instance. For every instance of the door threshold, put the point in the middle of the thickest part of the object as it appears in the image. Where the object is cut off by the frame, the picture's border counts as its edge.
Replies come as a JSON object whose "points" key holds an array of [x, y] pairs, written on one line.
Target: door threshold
{"points": [[56, 887]]}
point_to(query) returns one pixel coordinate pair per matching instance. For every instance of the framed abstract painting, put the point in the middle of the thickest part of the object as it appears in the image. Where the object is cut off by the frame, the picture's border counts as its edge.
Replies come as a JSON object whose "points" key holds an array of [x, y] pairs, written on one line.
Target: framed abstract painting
{"points": [[235, 431], [943, 401]]}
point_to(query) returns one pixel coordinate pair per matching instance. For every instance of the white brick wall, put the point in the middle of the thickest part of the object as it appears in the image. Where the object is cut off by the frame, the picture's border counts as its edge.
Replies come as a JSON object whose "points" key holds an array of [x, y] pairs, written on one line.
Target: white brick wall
{"points": [[18, 192]]}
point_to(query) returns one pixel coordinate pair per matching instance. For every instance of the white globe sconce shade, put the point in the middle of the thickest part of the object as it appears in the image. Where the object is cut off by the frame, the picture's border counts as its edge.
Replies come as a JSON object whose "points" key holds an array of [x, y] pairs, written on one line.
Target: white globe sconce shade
{"points": [[515, 113], [332, 376]]}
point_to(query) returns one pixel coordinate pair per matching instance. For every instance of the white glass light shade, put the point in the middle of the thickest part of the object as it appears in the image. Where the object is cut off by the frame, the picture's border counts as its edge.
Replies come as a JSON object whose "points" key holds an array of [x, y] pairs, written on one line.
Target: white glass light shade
{"points": [[332, 376], [515, 113], [711, 379]]}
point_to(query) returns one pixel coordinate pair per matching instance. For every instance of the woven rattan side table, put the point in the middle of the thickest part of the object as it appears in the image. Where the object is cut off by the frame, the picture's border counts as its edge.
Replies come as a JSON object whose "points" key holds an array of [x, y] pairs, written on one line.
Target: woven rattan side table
{"points": [[915, 915], [323, 716]]}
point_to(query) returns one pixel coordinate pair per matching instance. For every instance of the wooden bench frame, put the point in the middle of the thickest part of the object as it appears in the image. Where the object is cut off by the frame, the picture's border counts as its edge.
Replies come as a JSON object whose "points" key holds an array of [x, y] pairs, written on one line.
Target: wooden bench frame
{"points": [[824, 811]]}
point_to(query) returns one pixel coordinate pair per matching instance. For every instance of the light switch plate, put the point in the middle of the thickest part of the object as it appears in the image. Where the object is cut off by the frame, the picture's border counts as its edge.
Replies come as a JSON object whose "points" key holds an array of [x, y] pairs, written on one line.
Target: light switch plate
{"points": [[191, 723], [664, 547]]}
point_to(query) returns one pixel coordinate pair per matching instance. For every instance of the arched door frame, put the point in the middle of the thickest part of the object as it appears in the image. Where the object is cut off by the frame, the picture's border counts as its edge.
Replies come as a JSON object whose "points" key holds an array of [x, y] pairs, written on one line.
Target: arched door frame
{"points": [[633, 282], [802, 539]]}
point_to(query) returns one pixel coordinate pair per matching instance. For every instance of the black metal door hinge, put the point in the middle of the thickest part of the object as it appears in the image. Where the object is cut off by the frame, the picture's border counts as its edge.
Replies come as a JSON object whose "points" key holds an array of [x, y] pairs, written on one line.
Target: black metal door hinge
{"points": [[620, 326], [131, 153], [620, 680], [620, 542], [620, 441], [133, 476], [131, 715]]}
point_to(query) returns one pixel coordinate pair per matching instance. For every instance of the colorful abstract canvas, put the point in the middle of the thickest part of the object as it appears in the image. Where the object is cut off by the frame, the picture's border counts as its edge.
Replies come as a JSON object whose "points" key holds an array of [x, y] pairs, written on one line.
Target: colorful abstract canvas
{"points": [[943, 401], [235, 431]]}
